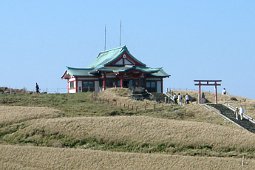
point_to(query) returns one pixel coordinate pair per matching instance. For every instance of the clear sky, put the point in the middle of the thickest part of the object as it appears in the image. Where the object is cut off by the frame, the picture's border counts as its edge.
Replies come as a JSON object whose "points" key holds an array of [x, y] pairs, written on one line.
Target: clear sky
{"points": [[190, 39]]}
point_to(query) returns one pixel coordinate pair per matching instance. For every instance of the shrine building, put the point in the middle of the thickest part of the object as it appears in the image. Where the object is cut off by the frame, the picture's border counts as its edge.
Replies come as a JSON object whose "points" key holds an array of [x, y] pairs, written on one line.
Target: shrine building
{"points": [[114, 68]]}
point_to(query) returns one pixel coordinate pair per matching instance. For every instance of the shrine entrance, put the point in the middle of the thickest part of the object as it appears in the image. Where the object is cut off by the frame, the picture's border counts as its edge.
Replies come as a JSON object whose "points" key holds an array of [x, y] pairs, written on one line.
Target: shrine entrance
{"points": [[214, 83]]}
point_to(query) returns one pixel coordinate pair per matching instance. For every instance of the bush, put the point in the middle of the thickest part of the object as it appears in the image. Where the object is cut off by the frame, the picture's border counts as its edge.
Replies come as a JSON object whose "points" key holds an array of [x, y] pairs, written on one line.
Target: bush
{"points": [[233, 99]]}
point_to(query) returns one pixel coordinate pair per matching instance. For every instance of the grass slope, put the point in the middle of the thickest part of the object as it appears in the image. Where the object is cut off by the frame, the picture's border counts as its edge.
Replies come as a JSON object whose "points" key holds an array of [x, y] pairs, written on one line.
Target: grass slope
{"points": [[82, 121], [82, 104], [137, 134], [15, 114], [29, 157]]}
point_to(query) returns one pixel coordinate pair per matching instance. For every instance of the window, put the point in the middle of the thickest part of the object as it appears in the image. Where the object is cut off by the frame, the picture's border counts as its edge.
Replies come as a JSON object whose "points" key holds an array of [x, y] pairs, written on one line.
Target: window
{"points": [[148, 84], [71, 83], [151, 86], [88, 86]]}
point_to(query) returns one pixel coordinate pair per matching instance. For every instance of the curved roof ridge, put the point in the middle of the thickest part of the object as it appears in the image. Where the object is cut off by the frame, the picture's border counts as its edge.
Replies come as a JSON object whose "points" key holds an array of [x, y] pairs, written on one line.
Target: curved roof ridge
{"points": [[113, 49], [76, 68]]}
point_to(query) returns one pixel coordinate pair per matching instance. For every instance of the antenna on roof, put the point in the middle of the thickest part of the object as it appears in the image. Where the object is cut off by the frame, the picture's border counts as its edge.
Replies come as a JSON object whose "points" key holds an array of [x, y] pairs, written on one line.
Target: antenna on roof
{"points": [[105, 38], [120, 33]]}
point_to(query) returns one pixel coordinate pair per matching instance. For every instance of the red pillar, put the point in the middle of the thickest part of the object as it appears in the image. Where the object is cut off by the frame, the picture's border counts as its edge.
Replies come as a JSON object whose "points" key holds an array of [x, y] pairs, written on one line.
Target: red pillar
{"points": [[199, 93], [76, 85], [121, 81], [216, 94]]}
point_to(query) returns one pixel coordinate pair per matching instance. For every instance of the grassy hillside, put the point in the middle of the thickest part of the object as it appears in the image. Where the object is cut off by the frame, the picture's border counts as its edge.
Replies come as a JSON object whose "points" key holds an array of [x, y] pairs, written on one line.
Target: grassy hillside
{"points": [[235, 101], [83, 104], [137, 134], [29, 157], [112, 121], [69, 104], [15, 114]]}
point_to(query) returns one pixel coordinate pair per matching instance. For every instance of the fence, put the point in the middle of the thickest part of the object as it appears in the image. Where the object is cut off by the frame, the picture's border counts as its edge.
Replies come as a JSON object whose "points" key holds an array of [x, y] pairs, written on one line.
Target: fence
{"points": [[139, 106]]}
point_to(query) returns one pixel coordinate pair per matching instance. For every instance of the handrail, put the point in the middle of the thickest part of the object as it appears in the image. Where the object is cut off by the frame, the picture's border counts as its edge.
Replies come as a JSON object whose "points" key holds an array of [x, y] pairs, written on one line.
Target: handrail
{"points": [[249, 118], [169, 96]]}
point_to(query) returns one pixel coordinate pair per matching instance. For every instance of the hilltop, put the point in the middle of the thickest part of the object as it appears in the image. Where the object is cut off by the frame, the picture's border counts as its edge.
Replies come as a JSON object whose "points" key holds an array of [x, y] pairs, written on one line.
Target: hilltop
{"points": [[7, 90], [111, 124]]}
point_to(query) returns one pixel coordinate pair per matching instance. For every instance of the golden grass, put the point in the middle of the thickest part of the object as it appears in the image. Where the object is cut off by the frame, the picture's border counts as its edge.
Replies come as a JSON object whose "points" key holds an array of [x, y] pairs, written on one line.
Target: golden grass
{"points": [[248, 104], [122, 96], [14, 114], [192, 112], [145, 130], [29, 157], [210, 96], [201, 114]]}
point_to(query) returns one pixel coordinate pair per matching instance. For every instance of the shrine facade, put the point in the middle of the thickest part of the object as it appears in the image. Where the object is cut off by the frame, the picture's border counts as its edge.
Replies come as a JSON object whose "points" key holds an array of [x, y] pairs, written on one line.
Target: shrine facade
{"points": [[114, 68]]}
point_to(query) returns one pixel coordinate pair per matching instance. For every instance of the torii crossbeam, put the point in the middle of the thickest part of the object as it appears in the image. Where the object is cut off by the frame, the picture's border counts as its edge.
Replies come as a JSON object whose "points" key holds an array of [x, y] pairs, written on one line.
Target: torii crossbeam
{"points": [[214, 83]]}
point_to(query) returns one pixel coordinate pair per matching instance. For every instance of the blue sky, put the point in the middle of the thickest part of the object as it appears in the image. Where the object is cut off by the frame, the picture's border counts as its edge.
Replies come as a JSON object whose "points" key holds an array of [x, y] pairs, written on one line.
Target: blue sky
{"points": [[190, 39]]}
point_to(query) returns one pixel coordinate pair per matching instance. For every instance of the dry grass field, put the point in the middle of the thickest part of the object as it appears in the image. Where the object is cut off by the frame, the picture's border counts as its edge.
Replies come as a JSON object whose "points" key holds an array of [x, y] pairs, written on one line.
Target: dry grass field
{"points": [[191, 112], [29, 157], [82, 133], [235, 101], [16, 114], [138, 133]]}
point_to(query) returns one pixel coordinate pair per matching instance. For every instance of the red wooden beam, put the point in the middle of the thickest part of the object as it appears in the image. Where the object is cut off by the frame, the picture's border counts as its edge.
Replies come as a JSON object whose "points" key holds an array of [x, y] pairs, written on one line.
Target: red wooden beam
{"points": [[207, 80], [207, 84], [214, 83]]}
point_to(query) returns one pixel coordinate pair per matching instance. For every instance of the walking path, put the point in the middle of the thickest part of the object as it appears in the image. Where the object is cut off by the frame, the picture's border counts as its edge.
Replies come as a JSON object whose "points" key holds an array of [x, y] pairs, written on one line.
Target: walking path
{"points": [[230, 115]]}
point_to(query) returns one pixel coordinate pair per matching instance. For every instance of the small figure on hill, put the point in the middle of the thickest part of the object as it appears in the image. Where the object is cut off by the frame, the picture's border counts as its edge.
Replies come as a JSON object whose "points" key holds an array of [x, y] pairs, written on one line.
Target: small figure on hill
{"points": [[237, 112], [179, 99], [241, 112], [224, 92], [175, 97], [203, 100], [37, 89], [203, 95], [187, 98]]}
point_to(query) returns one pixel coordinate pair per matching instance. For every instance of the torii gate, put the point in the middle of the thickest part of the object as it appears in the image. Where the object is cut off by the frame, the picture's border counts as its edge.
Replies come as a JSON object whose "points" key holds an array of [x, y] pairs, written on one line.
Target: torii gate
{"points": [[200, 83]]}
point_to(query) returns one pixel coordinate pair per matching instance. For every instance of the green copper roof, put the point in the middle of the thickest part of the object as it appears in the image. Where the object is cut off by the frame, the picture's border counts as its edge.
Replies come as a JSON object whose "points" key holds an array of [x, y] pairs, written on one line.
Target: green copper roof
{"points": [[127, 68], [79, 71], [103, 58], [160, 73], [108, 56], [147, 69]]}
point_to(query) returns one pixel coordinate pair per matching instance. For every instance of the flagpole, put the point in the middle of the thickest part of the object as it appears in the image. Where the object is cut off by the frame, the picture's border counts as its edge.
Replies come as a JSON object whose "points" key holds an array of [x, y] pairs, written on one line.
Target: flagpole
{"points": [[120, 32], [105, 38]]}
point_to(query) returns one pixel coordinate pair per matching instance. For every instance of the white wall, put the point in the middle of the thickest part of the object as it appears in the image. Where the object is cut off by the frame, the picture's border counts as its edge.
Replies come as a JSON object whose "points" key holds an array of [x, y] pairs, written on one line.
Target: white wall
{"points": [[74, 89]]}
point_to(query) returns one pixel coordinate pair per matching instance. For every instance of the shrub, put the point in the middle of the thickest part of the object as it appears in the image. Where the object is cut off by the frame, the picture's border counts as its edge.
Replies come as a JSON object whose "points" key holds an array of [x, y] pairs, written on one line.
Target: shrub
{"points": [[233, 99]]}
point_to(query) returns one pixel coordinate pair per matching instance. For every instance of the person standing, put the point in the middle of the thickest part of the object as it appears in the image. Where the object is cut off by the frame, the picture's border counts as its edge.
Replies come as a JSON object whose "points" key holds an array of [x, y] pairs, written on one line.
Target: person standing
{"points": [[237, 112], [175, 97], [180, 99], [187, 98], [224, 92], [241, 112], [37, 89]]}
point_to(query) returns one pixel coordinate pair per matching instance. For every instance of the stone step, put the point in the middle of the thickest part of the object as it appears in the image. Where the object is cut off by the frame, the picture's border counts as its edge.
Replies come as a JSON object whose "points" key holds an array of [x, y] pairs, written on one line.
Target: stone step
{"points": [[225, 111]]}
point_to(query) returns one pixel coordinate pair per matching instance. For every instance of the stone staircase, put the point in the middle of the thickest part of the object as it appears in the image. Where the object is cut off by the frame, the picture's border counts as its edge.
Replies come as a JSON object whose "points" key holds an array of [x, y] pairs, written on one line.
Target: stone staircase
{"points": [[230, 115]]}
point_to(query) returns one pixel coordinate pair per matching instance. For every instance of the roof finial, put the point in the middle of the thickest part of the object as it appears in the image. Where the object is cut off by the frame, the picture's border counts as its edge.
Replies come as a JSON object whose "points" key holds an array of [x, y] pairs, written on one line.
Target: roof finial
{"points": [[105, 38], [120, 33]]}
